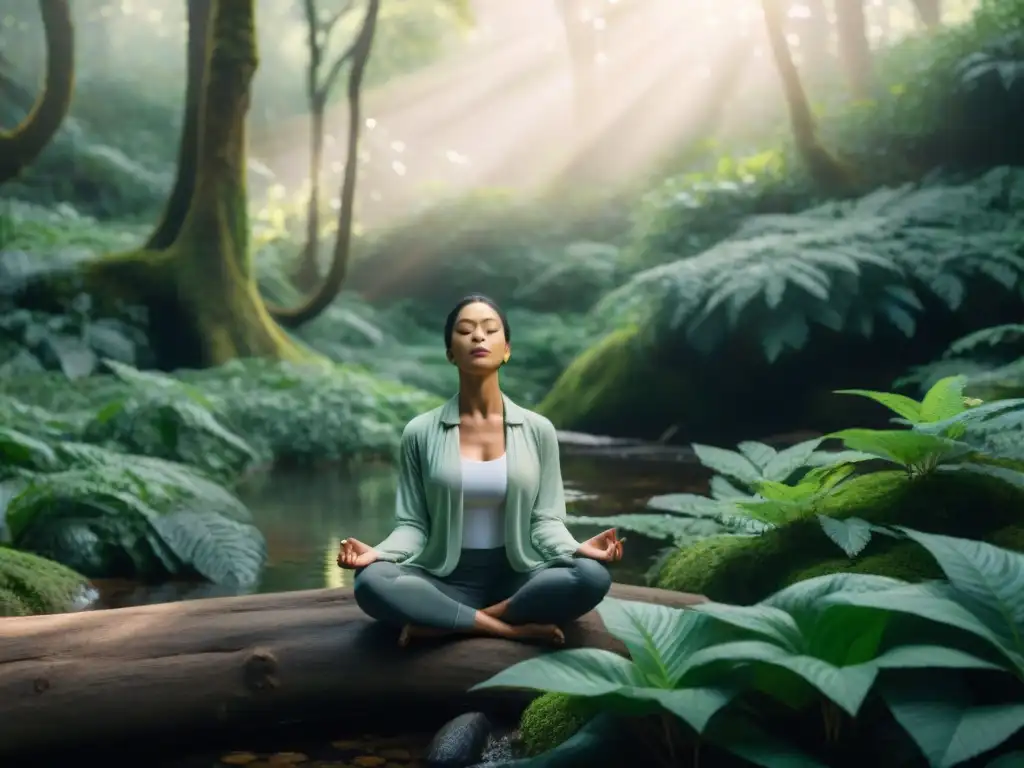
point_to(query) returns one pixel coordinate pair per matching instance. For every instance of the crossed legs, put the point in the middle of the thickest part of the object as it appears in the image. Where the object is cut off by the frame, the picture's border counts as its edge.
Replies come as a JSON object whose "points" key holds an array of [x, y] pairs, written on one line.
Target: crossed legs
{"points": [[520, 606]]}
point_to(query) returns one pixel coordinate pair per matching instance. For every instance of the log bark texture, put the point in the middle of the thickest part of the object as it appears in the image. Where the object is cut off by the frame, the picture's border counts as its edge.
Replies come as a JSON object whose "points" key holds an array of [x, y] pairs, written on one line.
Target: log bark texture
{"points": [[90, 678]]}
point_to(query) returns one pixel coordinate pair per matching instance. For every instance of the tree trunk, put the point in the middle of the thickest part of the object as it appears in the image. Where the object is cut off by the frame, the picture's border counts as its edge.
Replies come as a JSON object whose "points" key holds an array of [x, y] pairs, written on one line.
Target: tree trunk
{"points": [[22, 145], [853, 45], [199, 14], [203, 303], [827, 172], [307, 276], [929, 12], [177, 668]]}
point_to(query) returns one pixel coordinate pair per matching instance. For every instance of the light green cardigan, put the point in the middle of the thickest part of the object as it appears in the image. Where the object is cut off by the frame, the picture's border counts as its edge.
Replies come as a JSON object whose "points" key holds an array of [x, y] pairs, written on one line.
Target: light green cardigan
{"points": [[428, 533]]}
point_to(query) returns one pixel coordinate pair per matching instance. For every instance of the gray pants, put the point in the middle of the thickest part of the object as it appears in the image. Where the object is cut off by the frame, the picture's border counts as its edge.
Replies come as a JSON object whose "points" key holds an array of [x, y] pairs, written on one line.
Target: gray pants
{"points": [[404, 594]]}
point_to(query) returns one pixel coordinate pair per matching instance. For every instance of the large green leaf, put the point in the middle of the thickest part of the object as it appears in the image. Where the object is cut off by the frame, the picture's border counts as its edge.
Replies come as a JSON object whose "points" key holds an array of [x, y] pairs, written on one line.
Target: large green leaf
{"points": [[944, 400], [932, 602], [930, 657], [763, 620], [846, 686], [944, 722], [659, 639], [1012, 760], [220, 549], [990, 581], [728, 463], [694, 706], [587, 672], [904, 447], [851, 535], [789, 460], [905, 406]]}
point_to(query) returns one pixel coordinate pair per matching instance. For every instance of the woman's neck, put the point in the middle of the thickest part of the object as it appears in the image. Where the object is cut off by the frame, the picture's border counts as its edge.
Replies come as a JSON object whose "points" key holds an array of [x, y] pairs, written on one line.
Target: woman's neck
{"points": [[480, 395]]}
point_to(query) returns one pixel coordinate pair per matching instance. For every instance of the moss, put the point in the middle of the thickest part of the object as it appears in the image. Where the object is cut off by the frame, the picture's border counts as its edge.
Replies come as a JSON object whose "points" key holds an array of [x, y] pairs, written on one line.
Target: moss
{"points": [[614, 387], [31, 585], [745, 570], [551, 720]]}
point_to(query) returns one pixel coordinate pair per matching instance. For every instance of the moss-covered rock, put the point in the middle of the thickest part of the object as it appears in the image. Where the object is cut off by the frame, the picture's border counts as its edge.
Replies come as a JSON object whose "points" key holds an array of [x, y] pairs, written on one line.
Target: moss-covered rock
{"points": [[550, 720], [31, 585], [614, 387], [744, 570]]}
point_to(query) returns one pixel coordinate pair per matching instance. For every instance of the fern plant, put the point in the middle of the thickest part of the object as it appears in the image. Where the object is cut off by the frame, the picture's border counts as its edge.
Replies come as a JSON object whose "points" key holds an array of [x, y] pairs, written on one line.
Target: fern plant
{"points": [[991, 359], [849, 267]]}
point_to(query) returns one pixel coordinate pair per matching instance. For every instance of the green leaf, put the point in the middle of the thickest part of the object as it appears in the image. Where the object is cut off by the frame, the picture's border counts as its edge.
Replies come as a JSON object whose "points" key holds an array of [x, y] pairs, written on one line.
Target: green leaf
{"points": [[902, 447], [585, 672], [943, 723], [846, 686], [990, 579], [932, 602], [905, 406], [930, 657], [722, 490], [944, 400], [694, 706], [775, 491], [728, 463], [767, 621], [789, 460], [850, 535], [222, 550], [659, 639], [758, 454]]}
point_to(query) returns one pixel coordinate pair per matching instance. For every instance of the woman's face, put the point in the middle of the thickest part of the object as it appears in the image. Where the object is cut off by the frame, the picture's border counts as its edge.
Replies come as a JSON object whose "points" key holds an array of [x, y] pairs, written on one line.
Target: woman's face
{"points": [[478, 340]]}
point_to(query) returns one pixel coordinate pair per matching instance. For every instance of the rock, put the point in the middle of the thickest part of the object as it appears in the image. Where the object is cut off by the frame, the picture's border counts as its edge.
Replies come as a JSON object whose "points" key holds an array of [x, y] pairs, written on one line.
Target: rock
{"points": [[460, 742]]}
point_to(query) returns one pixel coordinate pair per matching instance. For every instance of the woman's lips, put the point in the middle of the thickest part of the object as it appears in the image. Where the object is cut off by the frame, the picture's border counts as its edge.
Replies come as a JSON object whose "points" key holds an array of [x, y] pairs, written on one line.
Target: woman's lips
{"points": [[480, 352]]}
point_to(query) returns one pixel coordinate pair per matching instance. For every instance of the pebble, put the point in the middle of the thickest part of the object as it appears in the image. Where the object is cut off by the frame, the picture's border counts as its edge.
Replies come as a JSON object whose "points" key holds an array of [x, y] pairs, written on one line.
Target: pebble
{"points": [[460, 743]]}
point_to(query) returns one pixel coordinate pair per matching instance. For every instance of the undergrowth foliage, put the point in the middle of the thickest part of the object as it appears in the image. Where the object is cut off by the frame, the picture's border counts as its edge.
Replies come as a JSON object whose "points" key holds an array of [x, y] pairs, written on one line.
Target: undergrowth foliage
{"points": [[806, 676], [850, 267], [128, 476]]}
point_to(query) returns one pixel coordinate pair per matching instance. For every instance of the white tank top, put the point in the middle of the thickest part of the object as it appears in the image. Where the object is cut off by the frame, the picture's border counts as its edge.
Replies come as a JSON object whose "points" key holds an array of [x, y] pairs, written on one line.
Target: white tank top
{"points": [[484, 485]]}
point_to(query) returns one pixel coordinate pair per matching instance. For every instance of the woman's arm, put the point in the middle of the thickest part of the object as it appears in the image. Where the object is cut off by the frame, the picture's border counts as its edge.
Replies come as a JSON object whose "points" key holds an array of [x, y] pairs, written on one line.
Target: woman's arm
{"points": [[548, 532], [411, 517]]}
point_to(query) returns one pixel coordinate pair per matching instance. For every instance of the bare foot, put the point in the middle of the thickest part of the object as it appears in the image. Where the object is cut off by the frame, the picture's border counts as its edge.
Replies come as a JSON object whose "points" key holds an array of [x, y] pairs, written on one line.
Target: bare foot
{"points": [[547, 633], [411, 631]]}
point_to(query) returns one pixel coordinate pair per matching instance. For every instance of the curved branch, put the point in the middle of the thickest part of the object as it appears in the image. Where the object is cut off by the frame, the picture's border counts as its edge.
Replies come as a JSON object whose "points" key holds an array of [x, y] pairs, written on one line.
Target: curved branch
{"points": [[22, 145], [318, 302]]}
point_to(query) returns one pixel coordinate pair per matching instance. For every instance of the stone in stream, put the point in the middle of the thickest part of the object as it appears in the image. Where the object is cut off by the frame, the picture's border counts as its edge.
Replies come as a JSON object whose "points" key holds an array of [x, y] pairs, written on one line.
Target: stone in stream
{"points": [[460, 742]]}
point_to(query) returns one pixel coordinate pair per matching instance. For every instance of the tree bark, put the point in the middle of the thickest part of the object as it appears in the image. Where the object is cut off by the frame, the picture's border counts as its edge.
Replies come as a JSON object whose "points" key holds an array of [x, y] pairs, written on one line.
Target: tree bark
{"points": [[199, 14], [21, 146], [87, 678], [827, 172], [853, 45]]}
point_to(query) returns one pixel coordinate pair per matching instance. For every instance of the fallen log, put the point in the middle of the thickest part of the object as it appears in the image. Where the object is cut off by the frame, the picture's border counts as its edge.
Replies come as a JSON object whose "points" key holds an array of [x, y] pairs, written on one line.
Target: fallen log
{"points": [[107, 676]]}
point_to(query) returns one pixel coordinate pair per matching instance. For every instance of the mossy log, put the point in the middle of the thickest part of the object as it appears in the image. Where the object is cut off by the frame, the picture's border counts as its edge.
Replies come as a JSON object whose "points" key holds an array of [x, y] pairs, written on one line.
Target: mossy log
{"points": [[744, 570], [102, 676]]}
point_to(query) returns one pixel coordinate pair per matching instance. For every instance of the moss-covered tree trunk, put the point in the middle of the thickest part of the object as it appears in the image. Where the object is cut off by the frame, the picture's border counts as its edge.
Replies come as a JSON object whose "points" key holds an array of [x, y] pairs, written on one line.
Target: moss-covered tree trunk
{"points": [[200, 289], [21, 146]]}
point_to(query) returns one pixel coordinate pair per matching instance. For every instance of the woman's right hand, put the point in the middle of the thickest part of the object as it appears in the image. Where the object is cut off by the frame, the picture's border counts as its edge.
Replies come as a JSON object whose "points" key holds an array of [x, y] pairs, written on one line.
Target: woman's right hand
{"points": [[352, 554]]}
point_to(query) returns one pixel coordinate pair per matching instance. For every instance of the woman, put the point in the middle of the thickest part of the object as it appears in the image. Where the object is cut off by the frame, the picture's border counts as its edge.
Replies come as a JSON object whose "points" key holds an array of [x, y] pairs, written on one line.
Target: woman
{"points": [[480, 545]]}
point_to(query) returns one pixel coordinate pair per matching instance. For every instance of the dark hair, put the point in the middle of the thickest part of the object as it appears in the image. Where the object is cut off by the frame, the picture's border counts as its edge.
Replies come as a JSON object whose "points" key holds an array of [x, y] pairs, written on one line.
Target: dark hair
{"points": [[473, 298]]}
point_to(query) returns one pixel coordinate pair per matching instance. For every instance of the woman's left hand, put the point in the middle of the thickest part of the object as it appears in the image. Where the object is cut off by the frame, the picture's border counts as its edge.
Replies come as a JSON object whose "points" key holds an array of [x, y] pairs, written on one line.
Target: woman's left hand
{"points": [[606, 547]]}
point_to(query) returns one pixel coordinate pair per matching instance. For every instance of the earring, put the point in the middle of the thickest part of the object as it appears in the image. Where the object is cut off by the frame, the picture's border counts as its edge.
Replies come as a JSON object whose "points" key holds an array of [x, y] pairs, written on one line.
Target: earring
{"points": [[507, 356]]}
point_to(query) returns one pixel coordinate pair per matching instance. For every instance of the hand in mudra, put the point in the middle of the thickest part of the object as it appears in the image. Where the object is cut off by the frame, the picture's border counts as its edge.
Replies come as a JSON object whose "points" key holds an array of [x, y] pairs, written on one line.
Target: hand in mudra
{"points": [[352, 553], [606, 547]]}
